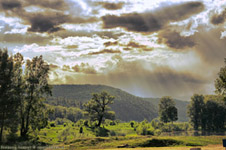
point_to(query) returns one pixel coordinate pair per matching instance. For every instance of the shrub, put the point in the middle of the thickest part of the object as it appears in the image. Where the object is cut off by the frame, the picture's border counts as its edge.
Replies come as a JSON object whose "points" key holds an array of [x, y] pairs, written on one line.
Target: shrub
{"points": [[144, 129], [112, 123], [112, 133], [157, 132], [52, 124], [101, 132], [86, 123], [132, 124], [81, 130]]}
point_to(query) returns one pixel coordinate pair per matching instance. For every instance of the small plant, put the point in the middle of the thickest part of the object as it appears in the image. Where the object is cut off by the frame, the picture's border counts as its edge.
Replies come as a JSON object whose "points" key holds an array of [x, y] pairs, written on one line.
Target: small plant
{"points": [[132, 124], [86, 123], [52, 124], [81, 130], [112, 123]]}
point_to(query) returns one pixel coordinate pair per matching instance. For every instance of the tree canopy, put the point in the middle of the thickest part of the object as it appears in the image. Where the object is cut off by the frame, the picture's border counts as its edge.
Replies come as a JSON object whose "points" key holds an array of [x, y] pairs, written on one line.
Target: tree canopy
{"points": [[97, 108], [167, 110]]}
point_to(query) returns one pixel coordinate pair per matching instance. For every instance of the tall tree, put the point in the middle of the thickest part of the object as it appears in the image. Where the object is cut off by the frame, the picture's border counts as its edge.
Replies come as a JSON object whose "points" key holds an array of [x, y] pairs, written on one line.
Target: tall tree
{"points": [[195, 111], [220, 82], [7, 104], [37, 87], [167, 110], [18, 90], [97, 108]]}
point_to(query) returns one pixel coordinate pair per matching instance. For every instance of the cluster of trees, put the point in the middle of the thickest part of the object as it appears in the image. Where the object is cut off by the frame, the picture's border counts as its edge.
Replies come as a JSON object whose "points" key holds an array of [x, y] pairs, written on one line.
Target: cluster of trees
{"points": [[23, 86], [209, 112], [71, 113]]}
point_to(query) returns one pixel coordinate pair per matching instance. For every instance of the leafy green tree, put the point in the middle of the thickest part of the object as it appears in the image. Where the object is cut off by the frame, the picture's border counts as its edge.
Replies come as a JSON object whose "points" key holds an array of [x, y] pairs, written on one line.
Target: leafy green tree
{"points": [[167, 110], [18, 89], [220, 82], [195, 111], [215, 114], [7, 103], [37, 87], [97, 108]]}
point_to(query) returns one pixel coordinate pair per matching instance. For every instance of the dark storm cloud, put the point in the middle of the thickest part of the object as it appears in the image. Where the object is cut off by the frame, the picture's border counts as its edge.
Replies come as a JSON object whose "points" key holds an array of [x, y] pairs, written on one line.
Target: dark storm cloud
{"points": [[46, 23], [49, 20], [111, 6], [153, 21], [53, 4], [105, 51], [174, 40], [10, 4], [218, 18]]}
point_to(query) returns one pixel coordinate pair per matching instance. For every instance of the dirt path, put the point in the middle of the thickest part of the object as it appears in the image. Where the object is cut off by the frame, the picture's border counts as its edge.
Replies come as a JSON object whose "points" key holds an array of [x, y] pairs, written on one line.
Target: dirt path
{"points": [[209, 147]]}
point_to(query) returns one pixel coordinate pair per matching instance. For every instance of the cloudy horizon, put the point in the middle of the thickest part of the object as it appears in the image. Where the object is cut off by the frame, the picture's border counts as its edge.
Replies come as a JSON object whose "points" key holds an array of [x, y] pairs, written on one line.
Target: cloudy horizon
{"points": [[147, 48]]}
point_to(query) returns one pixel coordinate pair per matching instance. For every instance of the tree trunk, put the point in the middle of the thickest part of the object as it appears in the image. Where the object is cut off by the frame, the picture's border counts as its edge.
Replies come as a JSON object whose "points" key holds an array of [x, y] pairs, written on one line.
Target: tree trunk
{"points": [[2, 126], [22, 126], [99, 121]]}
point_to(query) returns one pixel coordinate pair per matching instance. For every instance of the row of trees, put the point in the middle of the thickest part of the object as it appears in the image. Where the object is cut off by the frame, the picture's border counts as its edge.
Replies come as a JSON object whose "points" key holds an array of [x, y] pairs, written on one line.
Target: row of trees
{"points": [[23, 87], [209, 112], [205, 112], [71, 113]]}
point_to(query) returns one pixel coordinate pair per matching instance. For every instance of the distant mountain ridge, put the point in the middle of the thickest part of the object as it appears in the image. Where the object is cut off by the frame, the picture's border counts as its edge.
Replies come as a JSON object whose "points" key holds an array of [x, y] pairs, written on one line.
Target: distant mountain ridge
{"points": [[126, 106]]}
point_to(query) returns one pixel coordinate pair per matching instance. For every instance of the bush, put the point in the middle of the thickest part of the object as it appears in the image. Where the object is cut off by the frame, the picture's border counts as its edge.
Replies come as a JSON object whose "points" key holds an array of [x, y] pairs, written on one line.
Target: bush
{"points": [[52, 124], [60, 121], [112, 123], [86, 123], [112, 133], [81, 130], [157, 132], [132, 124], [101, 132], [144, 129]]}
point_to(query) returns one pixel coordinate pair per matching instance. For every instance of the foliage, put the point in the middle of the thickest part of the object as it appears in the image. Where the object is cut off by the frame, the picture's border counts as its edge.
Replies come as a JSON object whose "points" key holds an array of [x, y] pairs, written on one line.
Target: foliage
{"points": [[33, 110], [214, 115], [195, 111], [167, 110], [22, 93], [144, 129], [7, 102], [97, 108], [138, 108], [71, 113], [207, 113], [220, 82]]}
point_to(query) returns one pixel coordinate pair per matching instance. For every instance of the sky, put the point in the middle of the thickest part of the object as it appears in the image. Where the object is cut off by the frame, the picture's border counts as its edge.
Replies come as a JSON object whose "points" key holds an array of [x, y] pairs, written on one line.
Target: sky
{"points": [[149, 48]]}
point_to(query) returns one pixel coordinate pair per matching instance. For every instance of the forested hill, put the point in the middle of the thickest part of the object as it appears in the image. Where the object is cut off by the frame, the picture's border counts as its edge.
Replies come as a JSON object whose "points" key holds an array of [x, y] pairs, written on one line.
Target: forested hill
{"points": [[126, 106]]}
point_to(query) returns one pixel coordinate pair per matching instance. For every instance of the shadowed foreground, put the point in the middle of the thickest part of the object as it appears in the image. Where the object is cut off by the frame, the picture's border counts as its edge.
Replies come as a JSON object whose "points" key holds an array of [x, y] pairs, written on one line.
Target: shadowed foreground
{"points": [[209, 147]]}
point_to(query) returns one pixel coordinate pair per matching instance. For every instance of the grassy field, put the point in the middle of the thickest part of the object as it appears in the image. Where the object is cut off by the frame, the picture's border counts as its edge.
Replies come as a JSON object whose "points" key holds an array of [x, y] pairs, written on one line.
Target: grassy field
{"points": [[69, 137]]}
